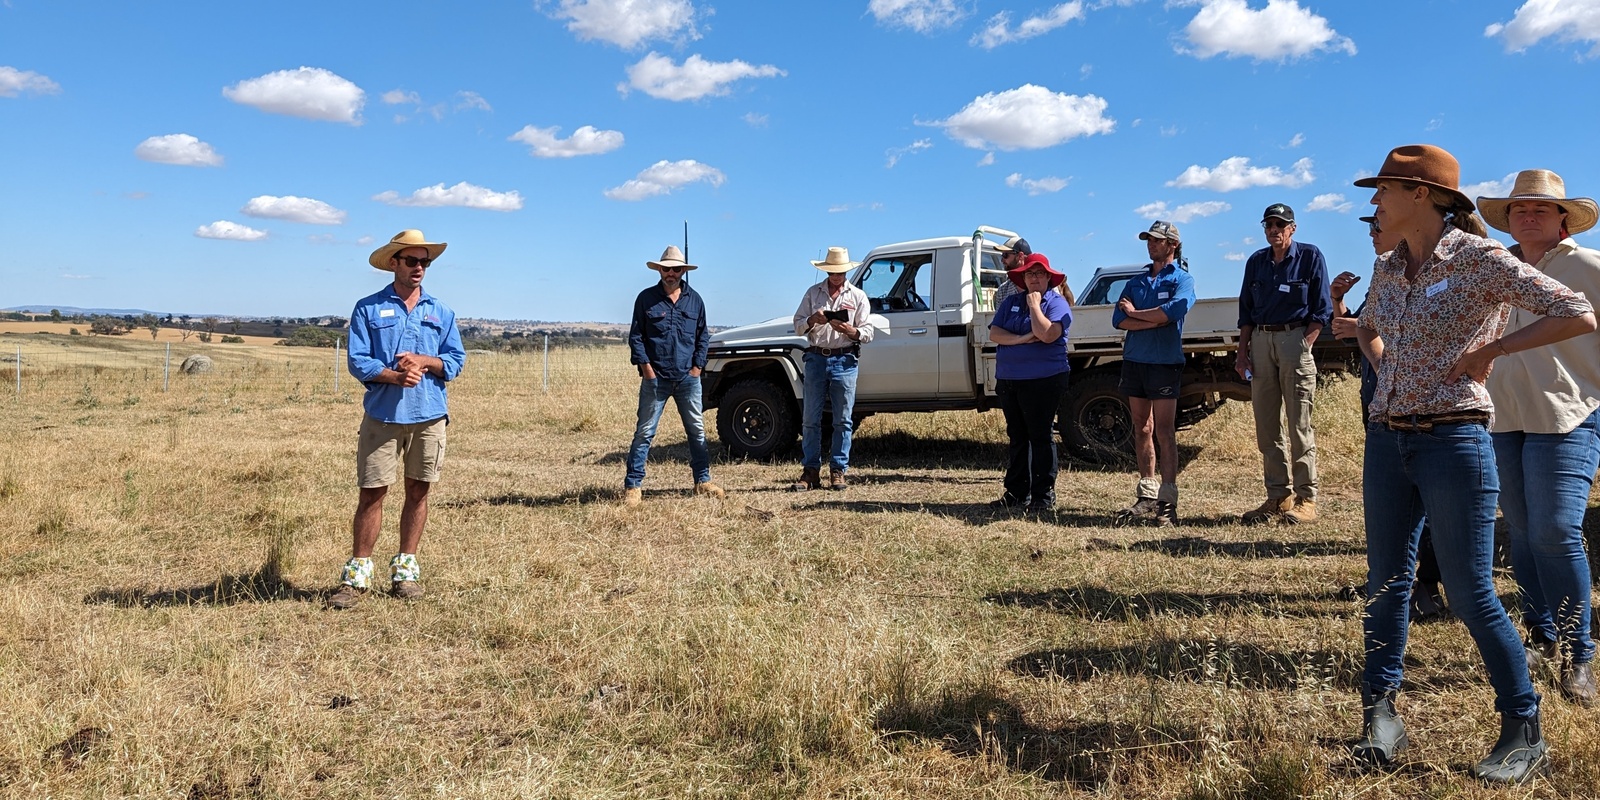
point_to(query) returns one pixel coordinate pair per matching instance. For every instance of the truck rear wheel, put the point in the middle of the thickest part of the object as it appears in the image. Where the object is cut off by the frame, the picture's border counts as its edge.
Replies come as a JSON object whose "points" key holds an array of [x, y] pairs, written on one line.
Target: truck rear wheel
{"points": [[755, 419], [1094, 420]]}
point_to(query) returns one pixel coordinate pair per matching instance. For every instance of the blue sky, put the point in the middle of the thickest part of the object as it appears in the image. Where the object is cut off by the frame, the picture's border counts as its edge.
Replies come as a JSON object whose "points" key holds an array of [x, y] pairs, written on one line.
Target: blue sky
{"points": [[238, 158]]}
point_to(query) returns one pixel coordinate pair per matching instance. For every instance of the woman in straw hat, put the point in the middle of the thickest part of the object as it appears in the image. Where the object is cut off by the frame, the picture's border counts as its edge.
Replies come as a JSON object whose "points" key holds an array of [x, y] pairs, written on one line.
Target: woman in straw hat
{"points": [[1433, 325], [1547, 430], [1030, 334]]}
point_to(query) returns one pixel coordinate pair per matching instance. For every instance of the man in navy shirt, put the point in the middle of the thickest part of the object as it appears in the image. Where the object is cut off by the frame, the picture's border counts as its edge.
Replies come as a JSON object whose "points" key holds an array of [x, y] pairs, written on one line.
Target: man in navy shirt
{"points": [[404, 347], [1151, 309], [668, 341], [1283, 306]]}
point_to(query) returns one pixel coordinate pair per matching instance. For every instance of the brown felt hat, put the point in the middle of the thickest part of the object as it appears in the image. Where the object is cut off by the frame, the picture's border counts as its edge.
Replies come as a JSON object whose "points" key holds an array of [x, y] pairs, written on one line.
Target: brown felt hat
{"points": [[1545, 186], [1425, 164]]}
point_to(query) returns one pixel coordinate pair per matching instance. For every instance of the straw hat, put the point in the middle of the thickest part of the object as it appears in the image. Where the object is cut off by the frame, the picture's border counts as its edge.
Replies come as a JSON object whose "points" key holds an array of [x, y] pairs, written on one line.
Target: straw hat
{"points": [[670, 257], [838, 260], [1544, 185], [401, 241], [1037, 259], [1426, 164]]}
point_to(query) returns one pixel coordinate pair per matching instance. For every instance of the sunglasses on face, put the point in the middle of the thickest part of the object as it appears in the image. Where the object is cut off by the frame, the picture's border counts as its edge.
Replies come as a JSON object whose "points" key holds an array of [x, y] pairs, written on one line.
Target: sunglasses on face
{"points": [[412, 261], [1372, 229], [673, 270], [1272, 224]]}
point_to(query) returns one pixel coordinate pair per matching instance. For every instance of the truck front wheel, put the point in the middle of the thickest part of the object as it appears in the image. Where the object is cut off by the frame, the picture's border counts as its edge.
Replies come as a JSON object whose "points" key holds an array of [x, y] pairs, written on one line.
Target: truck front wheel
{"points": [[755, 419], [1094, 420]]}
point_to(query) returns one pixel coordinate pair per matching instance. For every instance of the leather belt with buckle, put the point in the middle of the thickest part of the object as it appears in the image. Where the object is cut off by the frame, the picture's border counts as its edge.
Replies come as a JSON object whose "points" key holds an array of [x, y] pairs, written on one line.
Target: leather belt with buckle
{"points": [[1289, 327], [1422, 423], [853, 350]]}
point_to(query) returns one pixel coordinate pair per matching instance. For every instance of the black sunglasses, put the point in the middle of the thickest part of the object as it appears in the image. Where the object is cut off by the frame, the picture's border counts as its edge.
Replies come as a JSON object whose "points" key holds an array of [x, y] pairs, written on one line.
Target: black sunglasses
{"points": [[1269, 224], [413, 261], [1372, 228], [671, 269]]}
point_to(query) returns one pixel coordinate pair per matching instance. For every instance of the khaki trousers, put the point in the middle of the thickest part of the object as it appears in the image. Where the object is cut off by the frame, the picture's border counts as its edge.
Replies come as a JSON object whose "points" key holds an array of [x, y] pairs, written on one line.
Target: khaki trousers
{"points": [[1285, 385]]}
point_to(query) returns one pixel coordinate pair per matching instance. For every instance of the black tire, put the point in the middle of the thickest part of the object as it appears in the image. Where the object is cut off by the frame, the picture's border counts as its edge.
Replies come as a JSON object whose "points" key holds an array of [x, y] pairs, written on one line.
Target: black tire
{"points": [[756, 419], [1094, 421]]}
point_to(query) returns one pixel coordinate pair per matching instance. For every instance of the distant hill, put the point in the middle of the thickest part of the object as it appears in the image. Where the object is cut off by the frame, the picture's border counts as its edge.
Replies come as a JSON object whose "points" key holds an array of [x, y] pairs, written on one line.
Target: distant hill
{"points": [[86, 312]]}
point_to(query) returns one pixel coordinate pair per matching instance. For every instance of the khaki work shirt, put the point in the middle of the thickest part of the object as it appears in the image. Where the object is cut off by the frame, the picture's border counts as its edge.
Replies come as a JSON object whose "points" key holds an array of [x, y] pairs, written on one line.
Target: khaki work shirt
{"points": [[1551, 389]]}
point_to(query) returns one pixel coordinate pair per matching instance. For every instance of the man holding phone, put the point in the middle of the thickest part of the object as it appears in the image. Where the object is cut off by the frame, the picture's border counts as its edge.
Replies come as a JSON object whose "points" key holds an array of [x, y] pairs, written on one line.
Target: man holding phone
{"points": [[833, 318]]}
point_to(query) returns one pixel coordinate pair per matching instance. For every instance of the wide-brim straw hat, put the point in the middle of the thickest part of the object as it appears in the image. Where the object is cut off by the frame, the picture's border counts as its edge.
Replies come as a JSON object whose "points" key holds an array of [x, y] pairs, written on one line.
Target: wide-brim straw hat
{"points": [[670, 257], [837, 260], [1037, 259], [1545, 186], [1423, 164], [408, 238]]}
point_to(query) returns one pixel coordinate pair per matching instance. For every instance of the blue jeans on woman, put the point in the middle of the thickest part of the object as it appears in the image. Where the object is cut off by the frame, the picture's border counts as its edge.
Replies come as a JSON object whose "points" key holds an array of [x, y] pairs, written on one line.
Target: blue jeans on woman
{"points": [[1545, 479], [1447, 474], [830, 379], [653, 396]]}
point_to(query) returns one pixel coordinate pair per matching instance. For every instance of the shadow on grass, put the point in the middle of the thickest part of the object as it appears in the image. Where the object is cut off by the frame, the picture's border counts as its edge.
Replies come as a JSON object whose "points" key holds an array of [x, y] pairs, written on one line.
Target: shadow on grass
{"points": [[1234, 664], [1200, 547], [970, 513], [984, 725], [588, 494], [1094, 602], [262, 586]]}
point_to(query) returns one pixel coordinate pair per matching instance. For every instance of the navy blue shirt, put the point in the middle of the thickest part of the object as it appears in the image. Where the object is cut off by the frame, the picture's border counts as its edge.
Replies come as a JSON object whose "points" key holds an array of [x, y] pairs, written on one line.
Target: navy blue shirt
{"points": [[670, 337], [1022, 362], [1292, 290], [1172, 289]]}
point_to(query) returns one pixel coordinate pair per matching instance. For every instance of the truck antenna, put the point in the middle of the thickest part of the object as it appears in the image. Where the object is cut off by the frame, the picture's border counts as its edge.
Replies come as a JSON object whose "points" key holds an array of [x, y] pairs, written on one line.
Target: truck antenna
{"points": [[686, 240]]}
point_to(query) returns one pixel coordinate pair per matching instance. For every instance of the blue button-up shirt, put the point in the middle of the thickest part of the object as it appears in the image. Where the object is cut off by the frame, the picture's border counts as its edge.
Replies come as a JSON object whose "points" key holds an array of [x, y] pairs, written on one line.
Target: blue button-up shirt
{"points": [[1292, 290], [1172, 289], [670, 337], [380, 330]]}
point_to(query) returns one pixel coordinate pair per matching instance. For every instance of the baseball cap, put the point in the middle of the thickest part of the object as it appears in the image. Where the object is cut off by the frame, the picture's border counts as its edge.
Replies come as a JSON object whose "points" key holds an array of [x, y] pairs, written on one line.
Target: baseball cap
{"points": [[1161, 230], [1016, 243], [1278, 211]]}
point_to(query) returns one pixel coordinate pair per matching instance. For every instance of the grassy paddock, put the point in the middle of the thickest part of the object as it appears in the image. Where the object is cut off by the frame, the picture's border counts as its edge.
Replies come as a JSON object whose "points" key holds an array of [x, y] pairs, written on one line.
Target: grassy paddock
{"points": [[161, 563]]}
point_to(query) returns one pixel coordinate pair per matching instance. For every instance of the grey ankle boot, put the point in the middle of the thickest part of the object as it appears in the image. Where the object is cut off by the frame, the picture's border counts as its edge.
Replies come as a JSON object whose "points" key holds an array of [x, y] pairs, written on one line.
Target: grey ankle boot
{"points": [[1520, 754], [1383, 735]]}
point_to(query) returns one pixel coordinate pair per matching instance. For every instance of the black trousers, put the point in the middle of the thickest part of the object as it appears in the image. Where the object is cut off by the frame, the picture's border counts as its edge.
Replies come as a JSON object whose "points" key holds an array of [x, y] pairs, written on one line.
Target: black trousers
{"points": [[1030, 409]]}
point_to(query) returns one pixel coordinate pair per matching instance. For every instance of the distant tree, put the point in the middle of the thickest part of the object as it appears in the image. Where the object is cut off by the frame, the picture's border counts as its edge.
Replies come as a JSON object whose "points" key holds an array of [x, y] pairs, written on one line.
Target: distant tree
{"points": [[277, 327], [107, 326], [313, 336], [210, 324], [73, 332], [184, 333], [233, 326], [55, 315], [205, 336], [226, 339], [151, 323]]}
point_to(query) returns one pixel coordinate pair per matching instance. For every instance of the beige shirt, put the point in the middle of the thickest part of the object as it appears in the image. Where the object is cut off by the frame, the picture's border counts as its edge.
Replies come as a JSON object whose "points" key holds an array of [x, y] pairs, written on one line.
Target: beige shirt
{"points": [[1551, 389], [850, 299]]}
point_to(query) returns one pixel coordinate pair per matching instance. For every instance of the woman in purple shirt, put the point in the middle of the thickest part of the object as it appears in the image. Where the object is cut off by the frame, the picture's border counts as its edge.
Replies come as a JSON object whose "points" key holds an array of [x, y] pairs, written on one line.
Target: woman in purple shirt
{"points": [[1030, 334]]}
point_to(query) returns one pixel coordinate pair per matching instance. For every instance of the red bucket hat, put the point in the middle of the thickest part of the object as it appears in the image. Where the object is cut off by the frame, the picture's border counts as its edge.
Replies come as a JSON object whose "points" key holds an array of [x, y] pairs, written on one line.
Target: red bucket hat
{"points": [[1056, 278]]}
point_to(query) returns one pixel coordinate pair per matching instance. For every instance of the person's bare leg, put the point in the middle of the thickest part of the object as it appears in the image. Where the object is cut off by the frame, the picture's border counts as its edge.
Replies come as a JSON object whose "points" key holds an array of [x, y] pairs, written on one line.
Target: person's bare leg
{"points": [[1144, 425], [1165, 413], [368, 521], [414, 515]]}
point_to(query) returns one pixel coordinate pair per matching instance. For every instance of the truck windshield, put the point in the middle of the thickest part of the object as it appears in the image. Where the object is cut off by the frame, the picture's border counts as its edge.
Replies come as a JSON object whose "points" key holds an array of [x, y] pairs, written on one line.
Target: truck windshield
{"points": [[898, 283], [1105, 291]]}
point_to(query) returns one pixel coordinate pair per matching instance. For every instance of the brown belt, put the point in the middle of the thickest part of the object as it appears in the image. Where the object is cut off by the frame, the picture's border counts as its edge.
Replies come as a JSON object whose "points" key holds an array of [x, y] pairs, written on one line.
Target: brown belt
{"points": [[1422, 423], [853, 350], [1275, 328]]}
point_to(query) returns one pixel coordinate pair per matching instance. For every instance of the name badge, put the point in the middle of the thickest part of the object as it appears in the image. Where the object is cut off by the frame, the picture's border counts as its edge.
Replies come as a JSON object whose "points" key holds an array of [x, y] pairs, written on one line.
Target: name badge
{"points": [[387, 312], [1438, 287], [1161, 295], [1283, 287], [1015, 309]]}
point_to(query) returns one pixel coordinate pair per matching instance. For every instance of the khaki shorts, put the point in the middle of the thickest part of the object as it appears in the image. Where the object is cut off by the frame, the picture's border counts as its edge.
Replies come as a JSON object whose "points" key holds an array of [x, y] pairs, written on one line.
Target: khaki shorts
{"points": [[384, 445]]}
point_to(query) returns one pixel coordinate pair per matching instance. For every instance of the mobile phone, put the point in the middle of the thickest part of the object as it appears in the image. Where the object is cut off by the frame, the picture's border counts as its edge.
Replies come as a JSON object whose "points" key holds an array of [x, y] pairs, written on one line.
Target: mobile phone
{"points": [[840, 315]]}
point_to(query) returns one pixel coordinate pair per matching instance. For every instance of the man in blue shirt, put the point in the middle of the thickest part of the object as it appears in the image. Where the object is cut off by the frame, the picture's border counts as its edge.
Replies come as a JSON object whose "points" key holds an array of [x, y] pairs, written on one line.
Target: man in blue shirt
{"points": [[1283, 305], [1151, 309], [404, 347], [668, 341]]}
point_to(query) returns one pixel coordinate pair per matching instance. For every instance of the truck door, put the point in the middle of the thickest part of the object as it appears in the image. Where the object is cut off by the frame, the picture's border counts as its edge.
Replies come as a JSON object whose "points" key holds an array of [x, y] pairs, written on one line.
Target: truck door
{"points": [[903, 358]]}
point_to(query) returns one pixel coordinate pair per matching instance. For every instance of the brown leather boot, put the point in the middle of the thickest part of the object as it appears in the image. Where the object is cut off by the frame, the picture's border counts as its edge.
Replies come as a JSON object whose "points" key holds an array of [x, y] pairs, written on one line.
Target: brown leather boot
{"points": [[836, 480], [810, 478], [1577, 684], [1304, 511], [1267, 511]]}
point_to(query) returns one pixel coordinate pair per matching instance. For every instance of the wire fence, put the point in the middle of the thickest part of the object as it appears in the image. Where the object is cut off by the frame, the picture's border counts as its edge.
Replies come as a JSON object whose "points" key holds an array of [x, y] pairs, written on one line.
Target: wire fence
{"points": [[40, 368]]}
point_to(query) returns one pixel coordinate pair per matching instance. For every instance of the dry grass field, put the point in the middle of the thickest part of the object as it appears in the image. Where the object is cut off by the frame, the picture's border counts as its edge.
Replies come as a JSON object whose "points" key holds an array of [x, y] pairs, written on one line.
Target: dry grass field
{"points": [[162, 558]]}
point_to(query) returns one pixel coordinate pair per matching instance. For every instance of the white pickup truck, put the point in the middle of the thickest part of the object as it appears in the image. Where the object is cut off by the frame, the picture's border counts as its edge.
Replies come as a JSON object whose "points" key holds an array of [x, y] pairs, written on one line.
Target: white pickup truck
{"points": [[931, 307]]}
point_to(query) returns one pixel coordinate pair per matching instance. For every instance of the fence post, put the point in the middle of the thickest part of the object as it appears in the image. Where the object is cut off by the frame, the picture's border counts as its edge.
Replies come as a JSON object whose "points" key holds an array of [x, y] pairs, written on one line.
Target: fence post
{"points": [[166, 367], [336, 343], [19, 370], [547, 363]]}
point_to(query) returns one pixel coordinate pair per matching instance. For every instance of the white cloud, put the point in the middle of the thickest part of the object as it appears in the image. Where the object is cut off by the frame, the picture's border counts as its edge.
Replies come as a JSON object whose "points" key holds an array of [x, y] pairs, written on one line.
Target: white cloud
{"points": [[232, 231], [1036, 186], [462, 195], [1028, 117], [755, 120], [396, 97], [307, 92], [585, 141], [629, 23], [1183, 213], [1233, 256], [987, 160], [1299, 139], [1236, 173], [1330, 202], [1567, 20], [293, 209], [998, 32], [1281, 31], [1499, 188], [844, 207], [471, 100], [663, 177], [178, 148], [922, 16], [14, 82], [656, 75], [896, 153]]}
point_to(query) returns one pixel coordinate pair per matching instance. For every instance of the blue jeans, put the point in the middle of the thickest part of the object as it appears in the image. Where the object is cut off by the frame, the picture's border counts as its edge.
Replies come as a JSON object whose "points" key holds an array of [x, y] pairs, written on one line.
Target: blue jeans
{"points": [[1449, 475], [830, 378], [653, 395], [1545, 480]]}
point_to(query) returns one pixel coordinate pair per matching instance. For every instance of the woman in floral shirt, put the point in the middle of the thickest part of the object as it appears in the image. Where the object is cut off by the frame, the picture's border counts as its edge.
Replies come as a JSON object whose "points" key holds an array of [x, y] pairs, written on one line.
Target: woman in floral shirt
{"points": [[1433, 324]]}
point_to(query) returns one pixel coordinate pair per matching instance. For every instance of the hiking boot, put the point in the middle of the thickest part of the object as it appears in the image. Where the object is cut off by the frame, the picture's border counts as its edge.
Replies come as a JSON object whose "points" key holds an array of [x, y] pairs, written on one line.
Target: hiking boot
{"points": [[810, 478], [1268, 511], [1166, 514], [345, 597], [1427, 604], [1142, 508], [406, 590], [1577, 684], [1383, 735], [1006, 501], [1302, 512], [632, 497], [1540, 653], [1041, 506], [836, 480], [709, 489], [1520, 754]]}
